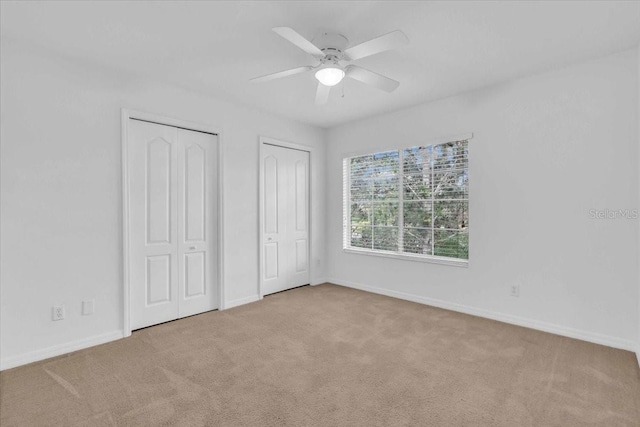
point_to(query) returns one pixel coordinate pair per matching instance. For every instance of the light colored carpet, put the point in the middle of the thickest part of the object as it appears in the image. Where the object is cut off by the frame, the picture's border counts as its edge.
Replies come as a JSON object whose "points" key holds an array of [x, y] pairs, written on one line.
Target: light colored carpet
{"points": [[329, 356]]}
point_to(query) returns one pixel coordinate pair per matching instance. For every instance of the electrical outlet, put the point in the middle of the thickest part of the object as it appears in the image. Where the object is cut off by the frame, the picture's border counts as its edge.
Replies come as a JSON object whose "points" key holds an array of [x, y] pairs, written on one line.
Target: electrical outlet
{"points": [[515, 291], [58, 312], [87, 307]]}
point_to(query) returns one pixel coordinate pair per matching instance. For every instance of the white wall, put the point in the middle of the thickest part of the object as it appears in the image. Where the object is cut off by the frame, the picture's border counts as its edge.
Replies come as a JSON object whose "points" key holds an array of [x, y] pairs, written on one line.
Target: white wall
{"points": [[638, 205], [62, 198], [546, 150]]}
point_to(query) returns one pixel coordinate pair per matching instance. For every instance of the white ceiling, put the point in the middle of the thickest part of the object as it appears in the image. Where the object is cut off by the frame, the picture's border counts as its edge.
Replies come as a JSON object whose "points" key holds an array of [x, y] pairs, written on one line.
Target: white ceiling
{"points": [[216, 47]]}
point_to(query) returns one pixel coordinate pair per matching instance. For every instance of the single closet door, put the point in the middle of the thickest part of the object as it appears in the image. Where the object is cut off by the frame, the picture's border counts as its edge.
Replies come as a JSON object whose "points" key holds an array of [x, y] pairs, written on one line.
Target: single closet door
{"points": [[173, 222], [198, 222], [285, 262]]}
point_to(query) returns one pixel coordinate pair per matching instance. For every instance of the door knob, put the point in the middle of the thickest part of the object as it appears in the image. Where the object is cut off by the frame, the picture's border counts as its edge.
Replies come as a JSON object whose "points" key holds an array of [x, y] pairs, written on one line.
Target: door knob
{"points": [[192, 248]]}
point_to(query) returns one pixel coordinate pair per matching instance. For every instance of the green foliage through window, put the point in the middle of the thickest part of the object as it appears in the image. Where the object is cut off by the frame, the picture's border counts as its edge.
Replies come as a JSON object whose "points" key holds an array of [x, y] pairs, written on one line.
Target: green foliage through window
{"points": [[414, 201]]}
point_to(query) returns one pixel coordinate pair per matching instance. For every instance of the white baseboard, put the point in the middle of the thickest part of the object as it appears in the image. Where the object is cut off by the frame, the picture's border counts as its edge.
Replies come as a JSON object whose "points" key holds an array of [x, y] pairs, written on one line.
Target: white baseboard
{"points": [[318, 281], [241, 301], [501, 317], [57, 350], [638, 355]]}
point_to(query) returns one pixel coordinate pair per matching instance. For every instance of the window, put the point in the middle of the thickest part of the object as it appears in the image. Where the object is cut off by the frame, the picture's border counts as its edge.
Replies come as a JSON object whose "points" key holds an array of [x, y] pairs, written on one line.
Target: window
{"points": [[412, 202]]}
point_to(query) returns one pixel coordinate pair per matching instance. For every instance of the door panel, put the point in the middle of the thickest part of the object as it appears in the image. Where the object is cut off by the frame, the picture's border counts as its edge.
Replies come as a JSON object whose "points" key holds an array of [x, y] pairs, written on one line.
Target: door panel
{"points": [[198, 210], [158, 190], [195, 277], [195, 193], [299, 231], [301, 256], [300, 195], [274, 211], [271, 260], [270, 195], [285, 218], [173, 222], [153, 189], [158, 279]]}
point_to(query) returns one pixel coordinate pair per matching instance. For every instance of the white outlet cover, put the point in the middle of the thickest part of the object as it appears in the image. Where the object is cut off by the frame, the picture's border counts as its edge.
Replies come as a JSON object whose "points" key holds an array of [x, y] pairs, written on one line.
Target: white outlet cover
{"points": [[57, 312], [87, 307]]}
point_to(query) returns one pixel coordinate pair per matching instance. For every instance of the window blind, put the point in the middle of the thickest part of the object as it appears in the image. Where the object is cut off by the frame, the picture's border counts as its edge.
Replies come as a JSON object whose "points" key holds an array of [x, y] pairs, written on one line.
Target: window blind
{"points": [[412, 201]]}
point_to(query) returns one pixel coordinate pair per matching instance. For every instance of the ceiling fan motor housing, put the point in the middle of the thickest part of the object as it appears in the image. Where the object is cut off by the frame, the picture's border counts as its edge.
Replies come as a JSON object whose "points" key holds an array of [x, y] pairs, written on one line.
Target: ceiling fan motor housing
{"points": [[332, 45]]}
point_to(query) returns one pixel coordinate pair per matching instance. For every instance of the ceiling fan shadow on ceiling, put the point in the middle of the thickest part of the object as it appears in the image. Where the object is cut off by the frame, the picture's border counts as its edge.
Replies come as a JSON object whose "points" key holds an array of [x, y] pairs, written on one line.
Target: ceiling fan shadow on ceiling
{"points": [[335, 60]]}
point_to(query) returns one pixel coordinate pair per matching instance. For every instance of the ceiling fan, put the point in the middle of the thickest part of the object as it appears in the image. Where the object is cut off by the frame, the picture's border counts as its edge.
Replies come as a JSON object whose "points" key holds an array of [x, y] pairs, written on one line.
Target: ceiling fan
{"points": [[334, 60]]}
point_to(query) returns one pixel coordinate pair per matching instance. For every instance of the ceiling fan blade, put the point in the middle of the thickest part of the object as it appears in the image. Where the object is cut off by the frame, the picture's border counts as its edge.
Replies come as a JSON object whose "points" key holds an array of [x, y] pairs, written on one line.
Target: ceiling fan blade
{"points": [[322, 94], [281, 74], [379, 44], [292, 36], [369, 77]]}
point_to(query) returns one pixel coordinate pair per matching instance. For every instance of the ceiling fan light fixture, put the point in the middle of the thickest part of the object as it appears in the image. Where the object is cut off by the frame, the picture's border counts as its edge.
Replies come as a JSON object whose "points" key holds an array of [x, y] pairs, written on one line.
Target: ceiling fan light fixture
{"points": [[330, 76]]}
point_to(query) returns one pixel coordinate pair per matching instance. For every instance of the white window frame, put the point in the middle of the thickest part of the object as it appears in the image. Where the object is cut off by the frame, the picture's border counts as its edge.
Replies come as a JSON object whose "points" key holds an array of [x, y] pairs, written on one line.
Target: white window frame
{"points": [[346, 208]]}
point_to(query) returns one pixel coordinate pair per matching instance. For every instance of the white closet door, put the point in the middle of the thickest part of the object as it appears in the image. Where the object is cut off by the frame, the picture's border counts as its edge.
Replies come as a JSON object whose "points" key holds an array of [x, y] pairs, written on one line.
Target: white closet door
{"points": [[285, 263], [153, 192], [298, 224], [173, 222], [197, 216]]}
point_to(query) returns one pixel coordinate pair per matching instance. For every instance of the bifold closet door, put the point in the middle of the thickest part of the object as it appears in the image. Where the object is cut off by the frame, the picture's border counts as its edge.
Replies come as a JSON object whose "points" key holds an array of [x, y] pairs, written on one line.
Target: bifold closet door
{"points": [[285, 262], [173, 222]]}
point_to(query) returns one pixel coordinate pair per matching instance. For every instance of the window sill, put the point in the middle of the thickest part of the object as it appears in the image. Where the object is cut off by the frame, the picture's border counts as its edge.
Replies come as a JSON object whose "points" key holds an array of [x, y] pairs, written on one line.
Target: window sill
{"points": [[430, 259]]}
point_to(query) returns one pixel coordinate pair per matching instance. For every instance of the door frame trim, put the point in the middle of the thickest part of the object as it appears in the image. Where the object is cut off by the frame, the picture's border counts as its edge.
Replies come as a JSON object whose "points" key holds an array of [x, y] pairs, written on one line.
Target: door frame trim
{"points": [[126, 115], [263, 140]]}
